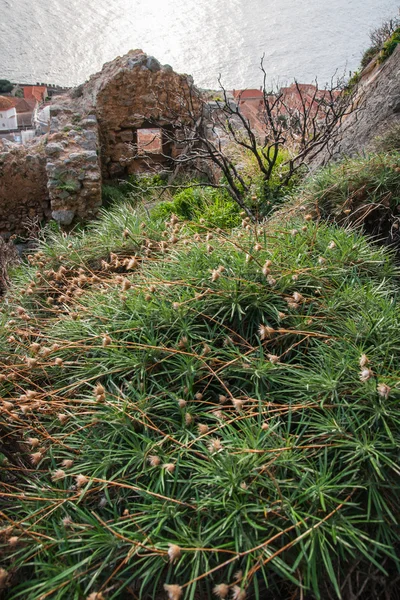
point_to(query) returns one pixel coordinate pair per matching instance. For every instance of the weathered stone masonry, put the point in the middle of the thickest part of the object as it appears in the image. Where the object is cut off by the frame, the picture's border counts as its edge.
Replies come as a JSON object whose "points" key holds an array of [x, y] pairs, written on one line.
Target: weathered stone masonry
{"points": [[93, 137]]}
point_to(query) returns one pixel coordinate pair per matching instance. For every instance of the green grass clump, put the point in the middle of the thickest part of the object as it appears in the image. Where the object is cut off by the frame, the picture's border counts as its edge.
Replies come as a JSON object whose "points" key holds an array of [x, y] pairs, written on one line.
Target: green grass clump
{"points": [[389, 46], [363, 191], [190, 409], [212, 207]]}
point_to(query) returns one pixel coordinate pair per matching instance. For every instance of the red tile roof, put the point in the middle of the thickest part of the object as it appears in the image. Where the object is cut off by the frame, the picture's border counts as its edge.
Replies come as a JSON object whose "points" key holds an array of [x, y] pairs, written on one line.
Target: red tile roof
{"points": [[6, 102], [247, 94], [35, 92]]}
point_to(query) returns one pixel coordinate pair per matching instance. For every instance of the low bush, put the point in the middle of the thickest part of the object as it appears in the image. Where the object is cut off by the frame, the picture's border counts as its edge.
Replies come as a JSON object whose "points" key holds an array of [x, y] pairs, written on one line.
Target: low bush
{"points": [[362, 191], [389, 141], [212, 207], [390, 45], [209, 413]]}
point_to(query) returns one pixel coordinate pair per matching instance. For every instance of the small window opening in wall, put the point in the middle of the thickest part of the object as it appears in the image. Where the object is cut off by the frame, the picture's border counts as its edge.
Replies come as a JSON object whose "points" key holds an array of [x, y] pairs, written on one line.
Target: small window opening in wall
{"points": [[149, 141]]}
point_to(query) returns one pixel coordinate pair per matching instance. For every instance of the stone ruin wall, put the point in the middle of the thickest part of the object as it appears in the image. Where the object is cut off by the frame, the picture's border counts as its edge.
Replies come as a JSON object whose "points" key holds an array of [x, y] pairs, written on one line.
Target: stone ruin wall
{"points": [[24, 199], [92, 137]]}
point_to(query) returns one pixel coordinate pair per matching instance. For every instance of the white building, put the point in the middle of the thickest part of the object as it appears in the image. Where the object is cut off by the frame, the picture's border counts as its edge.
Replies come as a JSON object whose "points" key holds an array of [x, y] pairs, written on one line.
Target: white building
{"points": [[8, 114]]}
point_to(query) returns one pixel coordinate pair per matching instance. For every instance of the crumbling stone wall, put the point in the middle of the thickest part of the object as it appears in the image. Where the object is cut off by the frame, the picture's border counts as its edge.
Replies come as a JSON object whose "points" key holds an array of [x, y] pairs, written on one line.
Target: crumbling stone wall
{"points": [[24, 197], [93, 136]]}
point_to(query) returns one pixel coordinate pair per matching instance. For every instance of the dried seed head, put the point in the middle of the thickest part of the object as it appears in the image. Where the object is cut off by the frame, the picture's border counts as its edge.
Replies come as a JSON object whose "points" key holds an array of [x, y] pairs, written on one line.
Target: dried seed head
{"points": [[67, 521], [238, 594], [383, 390], [175, 305], [202, 428], [209, 248], [297, 297], [95, 596], [67, 463], [221, 590], [3, 578], [238, 404], [8, 405], [170, 467], [331, 245], [258, 247], [58, 474], [99, 390], [206, 349], [273, 358], [244, 485], [13, 540], [364, 361], [265, 332], [271, 281], [188, 419], [81, 480], [36, 457], [214, 445], [183, 342], [34, 348], [154, 460], [174, 591], [182, 403], [222, 398], [365, 375], [238, 575], [264, 426], [33, 442], [321, 260], [293, 232], [126, 285], [174, 552], [31, 362], [63, 418], [58, 362], [215, 274], [199, 396], [106, 341]]}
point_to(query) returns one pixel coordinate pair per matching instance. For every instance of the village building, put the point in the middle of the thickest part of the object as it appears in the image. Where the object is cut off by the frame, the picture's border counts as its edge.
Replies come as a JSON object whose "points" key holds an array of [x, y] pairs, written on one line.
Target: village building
{"points": [[8, 114]]}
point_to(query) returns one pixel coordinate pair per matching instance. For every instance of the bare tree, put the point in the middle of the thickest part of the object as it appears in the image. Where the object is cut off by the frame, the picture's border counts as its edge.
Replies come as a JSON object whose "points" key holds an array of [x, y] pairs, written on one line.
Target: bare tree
{"points": [[302, 120]]}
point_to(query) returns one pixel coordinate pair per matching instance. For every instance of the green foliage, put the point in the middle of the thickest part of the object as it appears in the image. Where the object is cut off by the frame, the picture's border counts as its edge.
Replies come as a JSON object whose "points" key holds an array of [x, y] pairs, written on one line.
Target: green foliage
{"points": [[213, 395], [368, 55], [362, 191], [212, 207], [389, 141], [389, 46], [5, 86]]}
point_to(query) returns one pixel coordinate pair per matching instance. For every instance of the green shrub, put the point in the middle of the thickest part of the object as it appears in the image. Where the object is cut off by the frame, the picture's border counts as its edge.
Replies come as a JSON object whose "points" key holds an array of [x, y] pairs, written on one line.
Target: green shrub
{"points": [[361, 191], [368, 55], [389, 141], [389, 46], [212, 207], [223, 409]]}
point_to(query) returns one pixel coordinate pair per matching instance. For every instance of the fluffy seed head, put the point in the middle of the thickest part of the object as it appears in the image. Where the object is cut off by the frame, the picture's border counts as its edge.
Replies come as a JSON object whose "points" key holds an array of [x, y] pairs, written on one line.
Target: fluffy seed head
{"points": [[174, 552], [8, 405], [36, 457], [99, 390], [364, 361], [174, 591], [271, 281], [154, 460], [202, 428], [321, 260], [33, 442], [265, 332], [221, 590], [13, 540], [214, 445], [3, 578], [182, 403], [215, 274], [81, 480], [67, 463], [170, 467], [96, 596], [238, 404], [273, 358], [365, 375], [58, 362], [238, 594], [331, 245], [297, 297], [199, 396], [34, 348], [62, 418], [188, 419], [222, 398], [59, 474], [106, 341], [383, 390]]}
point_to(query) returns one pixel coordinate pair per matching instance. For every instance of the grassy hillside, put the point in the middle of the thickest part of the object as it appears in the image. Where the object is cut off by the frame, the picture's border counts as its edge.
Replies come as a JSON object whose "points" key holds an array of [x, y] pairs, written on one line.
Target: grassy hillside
{"points": [[194, 413]]}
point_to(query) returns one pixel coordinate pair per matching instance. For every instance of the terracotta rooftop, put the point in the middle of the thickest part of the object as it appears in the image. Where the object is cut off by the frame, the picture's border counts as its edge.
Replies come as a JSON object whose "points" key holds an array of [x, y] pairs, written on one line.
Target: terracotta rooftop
{"points": [[246, 94], [6, 103], [35, 92]]}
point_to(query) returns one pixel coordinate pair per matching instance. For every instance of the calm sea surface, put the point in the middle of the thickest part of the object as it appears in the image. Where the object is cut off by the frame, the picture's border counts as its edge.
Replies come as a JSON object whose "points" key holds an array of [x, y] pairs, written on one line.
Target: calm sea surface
{"points": [[64, 41]]}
